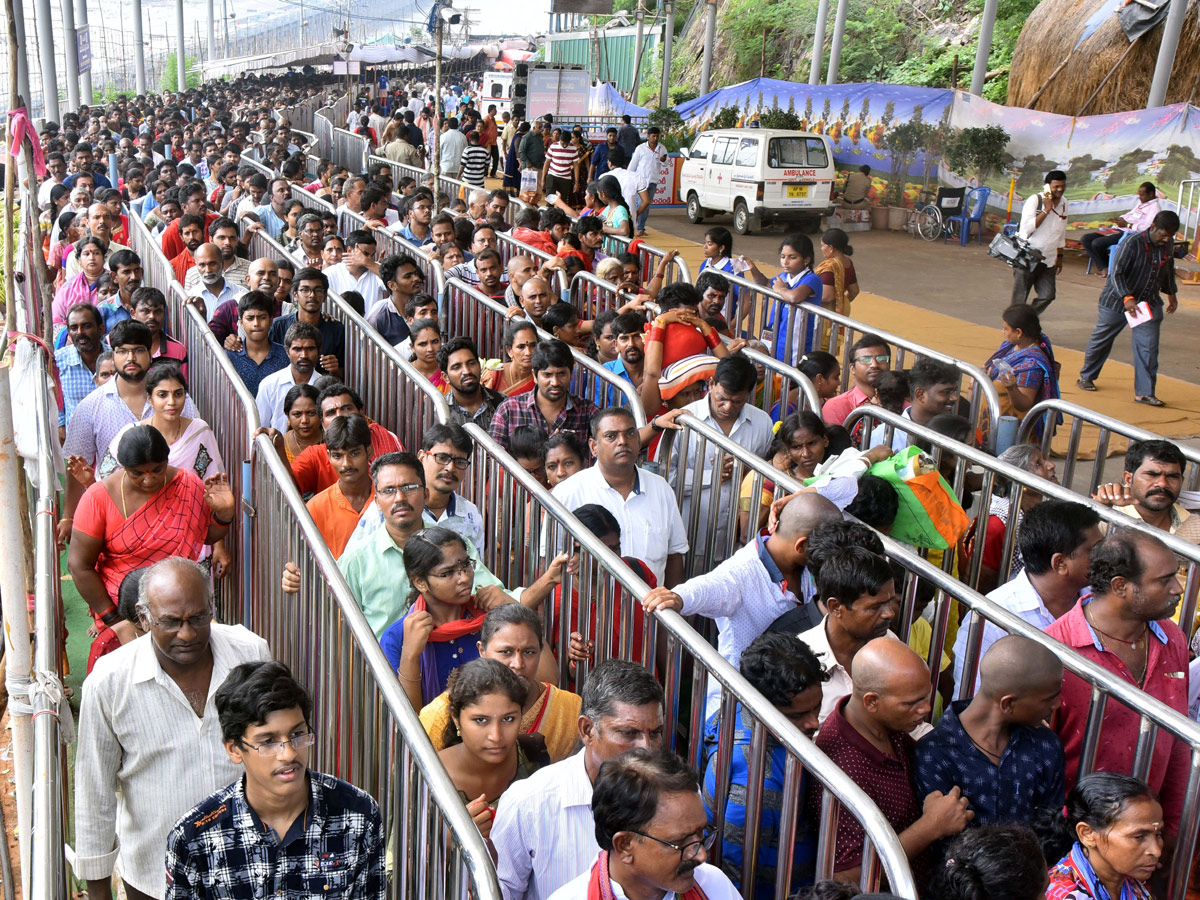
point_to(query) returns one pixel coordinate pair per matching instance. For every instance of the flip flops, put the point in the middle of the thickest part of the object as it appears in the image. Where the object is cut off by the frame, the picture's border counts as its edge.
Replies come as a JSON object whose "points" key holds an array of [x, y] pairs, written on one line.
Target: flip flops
{"points": [[1150, 400], [1085, 385]]}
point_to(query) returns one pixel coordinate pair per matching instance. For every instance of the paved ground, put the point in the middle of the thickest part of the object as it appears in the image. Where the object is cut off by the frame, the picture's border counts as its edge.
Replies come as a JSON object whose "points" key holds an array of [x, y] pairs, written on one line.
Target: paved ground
{"points": [[966, 283]]}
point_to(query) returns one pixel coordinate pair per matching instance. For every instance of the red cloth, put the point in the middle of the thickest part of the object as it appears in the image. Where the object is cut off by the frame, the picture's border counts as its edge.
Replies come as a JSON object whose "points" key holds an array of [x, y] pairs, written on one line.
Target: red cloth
{"points": [[600, 884], [638, 618], [836, 409], [182, 264], [172, 243], [314, 472], [539, 240], [174, 522], [470, 623], [1166, 680], [681, 341]]}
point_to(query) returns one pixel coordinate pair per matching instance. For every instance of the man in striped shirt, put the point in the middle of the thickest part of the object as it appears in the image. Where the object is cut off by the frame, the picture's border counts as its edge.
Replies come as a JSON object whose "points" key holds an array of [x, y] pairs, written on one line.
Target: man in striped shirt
{"points": [[474, 161], [558, 172], [1142, 269]]}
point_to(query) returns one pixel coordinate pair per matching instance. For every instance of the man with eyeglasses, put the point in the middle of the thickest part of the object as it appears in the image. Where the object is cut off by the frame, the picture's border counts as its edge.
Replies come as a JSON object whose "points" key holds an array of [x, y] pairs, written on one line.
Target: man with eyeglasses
{"points": [[869, 356], [446, 456], [302, 833], [308, 244], [545, 834], [149, 736], [310, 288], [373, 560], [419, 216], [658, 842]]}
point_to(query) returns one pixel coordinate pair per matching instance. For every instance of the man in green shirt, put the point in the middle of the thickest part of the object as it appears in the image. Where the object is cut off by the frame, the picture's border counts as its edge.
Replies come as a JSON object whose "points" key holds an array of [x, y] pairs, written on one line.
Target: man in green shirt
{"points": [[532, 150]]}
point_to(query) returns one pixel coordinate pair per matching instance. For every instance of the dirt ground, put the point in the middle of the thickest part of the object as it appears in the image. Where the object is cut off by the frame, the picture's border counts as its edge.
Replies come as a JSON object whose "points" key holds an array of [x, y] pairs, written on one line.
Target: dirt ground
{"points": [[966, 283]]}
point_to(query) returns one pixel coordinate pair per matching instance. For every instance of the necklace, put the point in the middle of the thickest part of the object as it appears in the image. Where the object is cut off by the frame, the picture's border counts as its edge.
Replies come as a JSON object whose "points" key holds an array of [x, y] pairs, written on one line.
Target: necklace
{"points": [[1133, 645], [178, 431], [982, 749]]}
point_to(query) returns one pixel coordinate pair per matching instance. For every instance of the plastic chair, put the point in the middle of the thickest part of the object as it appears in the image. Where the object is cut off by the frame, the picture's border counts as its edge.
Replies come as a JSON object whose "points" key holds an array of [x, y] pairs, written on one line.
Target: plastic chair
{"points": [[972, 212], [1111, 250]]}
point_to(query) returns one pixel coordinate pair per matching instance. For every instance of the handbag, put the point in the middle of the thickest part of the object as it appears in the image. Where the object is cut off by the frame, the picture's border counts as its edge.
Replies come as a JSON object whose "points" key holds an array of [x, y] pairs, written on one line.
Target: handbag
{"points": [[929, 514]]}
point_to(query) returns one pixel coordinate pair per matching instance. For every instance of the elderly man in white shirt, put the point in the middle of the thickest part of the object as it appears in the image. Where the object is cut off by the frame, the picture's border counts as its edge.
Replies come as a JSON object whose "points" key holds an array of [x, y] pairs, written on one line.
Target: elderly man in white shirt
{"points": [[150, 743], [1099, 246], [752, 588], [727, 408], [1056, 538], [543, 832], [652, 528], [1044, 225]]}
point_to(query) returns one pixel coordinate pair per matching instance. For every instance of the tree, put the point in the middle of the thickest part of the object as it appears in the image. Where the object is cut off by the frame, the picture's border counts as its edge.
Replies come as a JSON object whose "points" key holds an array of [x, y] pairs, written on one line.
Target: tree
{"points": [[903, 141], [1126, 168], [726, 117], [1180, 164], [976, 152], [169, 81], [779, 118]]}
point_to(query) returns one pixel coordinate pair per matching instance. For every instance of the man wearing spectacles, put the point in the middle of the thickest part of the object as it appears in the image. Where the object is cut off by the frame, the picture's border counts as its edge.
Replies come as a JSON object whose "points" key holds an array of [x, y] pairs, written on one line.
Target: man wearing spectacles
{"points": [[300, 832], [149, 737], [869, 356], [657, 843], [310, 289], [446, 456]]}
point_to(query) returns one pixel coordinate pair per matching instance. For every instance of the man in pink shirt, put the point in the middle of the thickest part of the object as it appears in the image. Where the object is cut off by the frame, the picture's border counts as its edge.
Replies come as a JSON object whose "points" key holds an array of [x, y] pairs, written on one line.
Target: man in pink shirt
{"points": [[1126, 628], [1098, 244], [869, 356]]}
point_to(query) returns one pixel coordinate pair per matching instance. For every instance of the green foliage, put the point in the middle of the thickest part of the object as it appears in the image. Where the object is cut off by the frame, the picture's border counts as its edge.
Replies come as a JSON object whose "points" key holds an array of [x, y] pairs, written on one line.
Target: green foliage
{"points": [[976, 152], [779, 118], [169, 82], [1126, 168], [726, 117], [904, 141], [1179, 165], [674, 132]]}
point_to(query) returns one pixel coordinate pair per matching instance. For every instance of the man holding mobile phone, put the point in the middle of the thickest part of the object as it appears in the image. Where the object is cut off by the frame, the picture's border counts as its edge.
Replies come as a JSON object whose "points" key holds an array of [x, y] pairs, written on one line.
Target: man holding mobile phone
{"points": [[1142, 270], [1044, 225]]}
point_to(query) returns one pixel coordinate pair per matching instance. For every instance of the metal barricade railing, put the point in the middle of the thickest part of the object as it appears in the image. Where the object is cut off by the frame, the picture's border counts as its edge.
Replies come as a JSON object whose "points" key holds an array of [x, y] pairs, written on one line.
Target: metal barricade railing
{"points": [[649, 258], [389, 243], [311, 200], [474, 315], [156, 268], [591, 295], [249, 159], [350, 150], [758, 305], [1021, 481], [508, 247], [784, 386], [449, 186], [323, 131], [1083, 421], [367, 731], [604, 597], [1155, 716], [394, 393]]}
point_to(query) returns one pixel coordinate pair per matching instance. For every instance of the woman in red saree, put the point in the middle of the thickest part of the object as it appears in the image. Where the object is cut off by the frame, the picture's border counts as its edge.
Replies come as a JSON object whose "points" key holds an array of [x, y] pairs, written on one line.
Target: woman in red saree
{"points": [[516, 376], [145, 512]]}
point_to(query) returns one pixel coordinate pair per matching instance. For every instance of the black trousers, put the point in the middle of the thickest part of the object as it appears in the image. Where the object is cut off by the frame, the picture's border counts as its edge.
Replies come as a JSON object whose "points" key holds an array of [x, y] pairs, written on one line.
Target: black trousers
{"points": [[1099, 246]]}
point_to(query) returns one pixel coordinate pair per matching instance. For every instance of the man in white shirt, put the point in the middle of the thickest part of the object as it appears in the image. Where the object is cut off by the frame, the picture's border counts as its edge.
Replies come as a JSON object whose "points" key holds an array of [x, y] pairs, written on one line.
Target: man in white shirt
{"points": [[935, 390], [56, 169], [649, 160], [358, 270], [1099, 246], [451, 145], [1055, 539], [1044, 225], [856, 587], [303, 345], [214, 288], [659, 843], [635, 187], [544, 833], [224, 234], [752, 588], [150, 743], [728, 409], [652, 528]]}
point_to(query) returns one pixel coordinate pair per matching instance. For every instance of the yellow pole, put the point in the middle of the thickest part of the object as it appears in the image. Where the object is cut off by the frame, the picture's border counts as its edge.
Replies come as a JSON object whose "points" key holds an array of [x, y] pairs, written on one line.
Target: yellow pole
{"points": [[1012, 189]]}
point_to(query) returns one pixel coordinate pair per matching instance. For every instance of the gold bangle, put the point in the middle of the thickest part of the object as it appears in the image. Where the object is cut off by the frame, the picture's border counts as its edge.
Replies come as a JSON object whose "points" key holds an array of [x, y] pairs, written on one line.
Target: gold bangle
{"points": [[406, 678]]}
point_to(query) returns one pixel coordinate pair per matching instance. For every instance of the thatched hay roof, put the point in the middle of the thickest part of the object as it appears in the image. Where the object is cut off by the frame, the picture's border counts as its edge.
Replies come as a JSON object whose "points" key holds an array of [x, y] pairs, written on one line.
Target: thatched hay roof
{"points": [[1052, 31]]}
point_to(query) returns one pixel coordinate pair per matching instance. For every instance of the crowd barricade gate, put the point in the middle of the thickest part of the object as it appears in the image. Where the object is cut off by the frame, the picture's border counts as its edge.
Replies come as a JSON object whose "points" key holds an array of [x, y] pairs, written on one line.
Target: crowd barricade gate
{"points": [[606, 594], [1155, 716], [350, 150], [389, 243], [508, 247], [448, 186], [472, 314], [591, 295], [649, 258], [248, 159], [368, 732], [156, 268], [1021, 481], [1047, 412], [759, 305], [786, 387], [323, 131]]}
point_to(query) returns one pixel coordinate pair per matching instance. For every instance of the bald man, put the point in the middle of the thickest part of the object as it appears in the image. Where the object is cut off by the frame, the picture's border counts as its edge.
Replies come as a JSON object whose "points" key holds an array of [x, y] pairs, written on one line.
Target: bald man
{"points": [[867, 736], [536, 298], [520, 269], [996, 747], [754, 587]]}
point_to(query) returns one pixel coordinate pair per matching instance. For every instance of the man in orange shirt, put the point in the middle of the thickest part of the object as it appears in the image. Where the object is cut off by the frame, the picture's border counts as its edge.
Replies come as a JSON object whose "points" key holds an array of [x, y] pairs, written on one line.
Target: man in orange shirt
{"points": [[312, 469], [336, 509], [191, 231]]}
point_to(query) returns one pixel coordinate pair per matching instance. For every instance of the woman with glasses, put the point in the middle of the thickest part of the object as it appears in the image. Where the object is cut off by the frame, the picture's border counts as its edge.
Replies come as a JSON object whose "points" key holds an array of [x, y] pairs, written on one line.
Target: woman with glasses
{"points": [[486, 749], [441, 630], [142, 513]]}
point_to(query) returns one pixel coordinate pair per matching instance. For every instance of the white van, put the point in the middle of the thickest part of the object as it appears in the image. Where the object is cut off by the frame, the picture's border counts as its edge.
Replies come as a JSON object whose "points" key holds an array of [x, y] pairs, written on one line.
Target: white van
{"points": [[761, 175], [497, 89]]}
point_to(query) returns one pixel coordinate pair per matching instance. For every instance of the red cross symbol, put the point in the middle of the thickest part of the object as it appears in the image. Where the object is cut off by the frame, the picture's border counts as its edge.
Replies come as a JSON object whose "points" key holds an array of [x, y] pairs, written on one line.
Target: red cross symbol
{"points": [[718, 178]]}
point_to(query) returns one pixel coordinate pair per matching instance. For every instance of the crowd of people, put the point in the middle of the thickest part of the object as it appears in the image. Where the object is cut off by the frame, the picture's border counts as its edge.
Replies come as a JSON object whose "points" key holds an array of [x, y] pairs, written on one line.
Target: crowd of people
{"points": [[983, 783]]}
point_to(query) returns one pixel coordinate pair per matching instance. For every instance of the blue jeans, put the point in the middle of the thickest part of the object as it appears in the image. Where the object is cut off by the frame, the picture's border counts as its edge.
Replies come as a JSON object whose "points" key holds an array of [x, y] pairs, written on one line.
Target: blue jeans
{"points": [[1110, 323], [641, 220]]}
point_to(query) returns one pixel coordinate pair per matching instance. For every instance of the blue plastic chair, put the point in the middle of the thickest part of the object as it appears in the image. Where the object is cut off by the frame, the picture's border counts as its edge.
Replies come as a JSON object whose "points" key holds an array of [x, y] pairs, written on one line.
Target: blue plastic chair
{"points": [[972, 212], [1111, 250]]}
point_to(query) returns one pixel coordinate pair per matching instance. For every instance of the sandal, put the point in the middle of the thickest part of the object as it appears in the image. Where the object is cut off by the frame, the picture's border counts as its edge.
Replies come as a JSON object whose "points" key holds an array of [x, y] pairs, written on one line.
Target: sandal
{"points": [[1085, 384], [1149, 400]]}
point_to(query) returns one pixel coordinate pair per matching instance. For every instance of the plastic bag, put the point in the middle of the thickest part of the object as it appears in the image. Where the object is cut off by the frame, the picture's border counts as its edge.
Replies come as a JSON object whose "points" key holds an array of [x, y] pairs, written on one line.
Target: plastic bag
{"points": [[929, 514], [529, 181]]}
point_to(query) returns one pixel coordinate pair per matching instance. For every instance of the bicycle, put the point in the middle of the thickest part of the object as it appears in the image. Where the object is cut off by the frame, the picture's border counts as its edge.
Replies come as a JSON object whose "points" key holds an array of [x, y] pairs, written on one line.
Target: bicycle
{"points": [[925, 219]]}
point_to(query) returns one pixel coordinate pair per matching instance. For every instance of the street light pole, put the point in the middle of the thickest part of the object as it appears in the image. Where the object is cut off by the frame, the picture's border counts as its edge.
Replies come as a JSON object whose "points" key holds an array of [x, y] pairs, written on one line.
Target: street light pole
{"points": [[710, 38], [180, 49], [668, 38]]}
